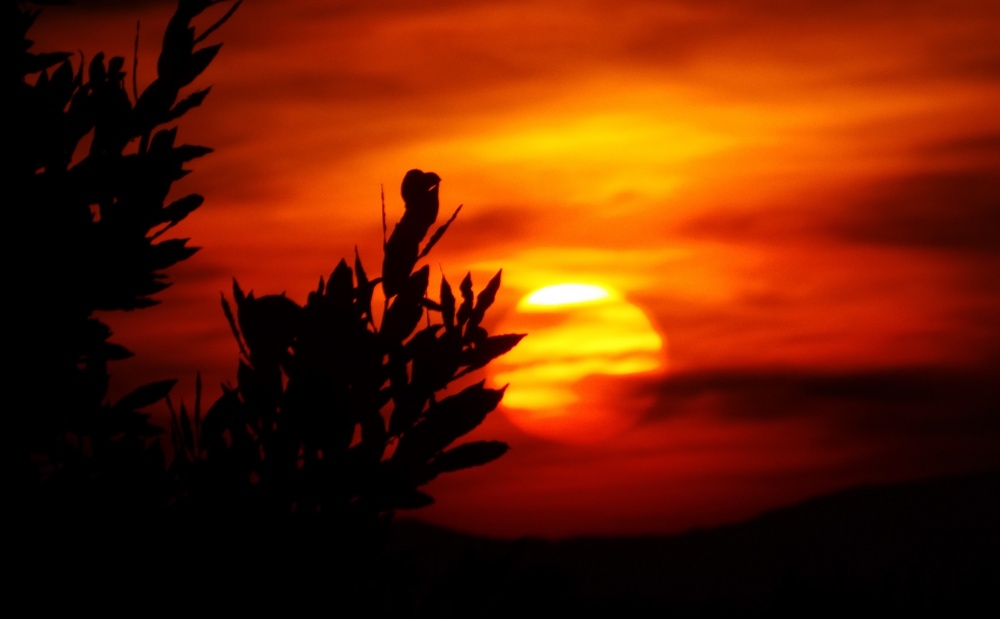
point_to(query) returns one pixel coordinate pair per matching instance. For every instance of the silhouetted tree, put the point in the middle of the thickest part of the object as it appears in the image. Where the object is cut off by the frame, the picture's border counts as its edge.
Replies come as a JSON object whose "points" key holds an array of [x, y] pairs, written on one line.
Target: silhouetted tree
{"points": [[340, 414], [90, 171], [336, 418]]}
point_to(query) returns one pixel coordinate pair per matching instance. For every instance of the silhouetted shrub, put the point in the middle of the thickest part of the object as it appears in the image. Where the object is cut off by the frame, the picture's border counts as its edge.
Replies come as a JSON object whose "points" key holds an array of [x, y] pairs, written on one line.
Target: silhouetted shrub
{"points": [[339, 417], [341, 414], [92, 169]]}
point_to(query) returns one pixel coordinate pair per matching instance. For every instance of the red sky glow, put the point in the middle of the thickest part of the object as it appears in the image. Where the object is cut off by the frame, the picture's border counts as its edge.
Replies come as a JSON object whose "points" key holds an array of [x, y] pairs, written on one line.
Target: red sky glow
{"points": [[802, 198]]}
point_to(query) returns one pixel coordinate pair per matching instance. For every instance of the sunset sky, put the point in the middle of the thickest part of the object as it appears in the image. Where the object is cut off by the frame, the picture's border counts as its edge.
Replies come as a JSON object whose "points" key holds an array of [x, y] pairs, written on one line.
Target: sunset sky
{"points": [[799, 200]]}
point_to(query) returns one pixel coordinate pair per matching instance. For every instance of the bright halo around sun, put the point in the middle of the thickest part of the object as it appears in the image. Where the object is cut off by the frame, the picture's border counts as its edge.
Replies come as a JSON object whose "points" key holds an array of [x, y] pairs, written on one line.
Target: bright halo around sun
{"points": [[574, 377]]}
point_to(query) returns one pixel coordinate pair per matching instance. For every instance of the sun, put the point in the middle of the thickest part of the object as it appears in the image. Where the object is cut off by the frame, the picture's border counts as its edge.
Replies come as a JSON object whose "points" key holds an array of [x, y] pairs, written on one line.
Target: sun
{"points": [[573, 378]]}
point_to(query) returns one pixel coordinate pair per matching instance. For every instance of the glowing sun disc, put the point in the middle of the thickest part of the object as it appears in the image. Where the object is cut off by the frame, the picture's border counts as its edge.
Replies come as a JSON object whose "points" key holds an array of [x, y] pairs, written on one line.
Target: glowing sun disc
{"points": [[565, 294], [572, 378]]}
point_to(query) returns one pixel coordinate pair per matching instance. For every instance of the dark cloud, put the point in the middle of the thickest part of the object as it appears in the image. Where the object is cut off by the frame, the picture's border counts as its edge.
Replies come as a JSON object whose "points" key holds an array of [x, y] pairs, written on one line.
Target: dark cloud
{"points": [[983, 147], [901, 402], [930, 419], [766, 386], [951, 211]]}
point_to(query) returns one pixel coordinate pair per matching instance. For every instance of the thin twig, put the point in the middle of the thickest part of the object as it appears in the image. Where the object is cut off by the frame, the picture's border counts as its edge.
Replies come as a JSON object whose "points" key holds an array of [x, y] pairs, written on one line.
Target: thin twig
{"points": [[135, 64], [214, 26], [384, 241]]}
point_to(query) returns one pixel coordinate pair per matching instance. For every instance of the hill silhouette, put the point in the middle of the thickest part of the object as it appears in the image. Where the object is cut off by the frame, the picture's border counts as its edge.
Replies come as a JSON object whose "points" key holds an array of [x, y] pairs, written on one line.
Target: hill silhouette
{"points": [[915, 546]]}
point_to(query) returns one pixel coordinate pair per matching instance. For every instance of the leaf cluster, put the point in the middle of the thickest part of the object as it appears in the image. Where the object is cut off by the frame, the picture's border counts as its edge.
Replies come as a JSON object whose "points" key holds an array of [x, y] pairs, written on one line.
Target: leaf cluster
{"points": [[338, 411], [92, 166], [99, 166]]}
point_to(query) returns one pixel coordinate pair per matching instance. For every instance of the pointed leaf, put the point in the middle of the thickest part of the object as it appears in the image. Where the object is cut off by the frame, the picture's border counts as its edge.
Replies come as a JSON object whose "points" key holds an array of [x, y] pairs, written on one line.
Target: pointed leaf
{"points": [[221, 21], [179, 209], [171, 251], [187, 152], [145, 395], [430, 304], [485, 299], [39, 62], [97, 72], [446, 421], [438, 234], [468, 455], [188, 103], [364, 291], [163, 141], [176, 211], [340, 286], [489, 349], [359, 270], [238, 294], [447, 304], [232, 322], [199, 62], [405, 311], [411, 499], [115, 352], [465, 309]]}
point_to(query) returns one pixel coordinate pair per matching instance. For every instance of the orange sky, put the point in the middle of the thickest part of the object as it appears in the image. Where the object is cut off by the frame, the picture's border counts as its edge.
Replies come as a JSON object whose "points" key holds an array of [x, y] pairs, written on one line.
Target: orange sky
{"points": [[804, 199]]}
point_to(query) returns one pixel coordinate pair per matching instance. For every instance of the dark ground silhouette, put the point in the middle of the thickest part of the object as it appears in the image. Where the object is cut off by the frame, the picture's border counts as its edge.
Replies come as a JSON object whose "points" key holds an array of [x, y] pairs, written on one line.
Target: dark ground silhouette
{"points": [[918, 547], [922, 546]]}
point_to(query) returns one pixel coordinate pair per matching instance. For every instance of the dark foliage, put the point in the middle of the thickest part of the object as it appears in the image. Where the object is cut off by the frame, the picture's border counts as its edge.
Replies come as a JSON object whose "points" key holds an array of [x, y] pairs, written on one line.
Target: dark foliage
{"points": [[91, 169], [336, 416], [340, 416]]}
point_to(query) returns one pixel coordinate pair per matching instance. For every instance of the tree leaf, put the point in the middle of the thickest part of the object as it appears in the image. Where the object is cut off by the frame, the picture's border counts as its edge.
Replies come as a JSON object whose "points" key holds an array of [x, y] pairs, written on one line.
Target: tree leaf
{"points": [[430, 304], [485, 299], [405, 311], [447, 305], [468, 455], [115, 352], [232, 322], [340, 286], [163, 141], [176, 211], [39, 62], [145, 395], [489, 349], [186, 104], [97, 72], [446, 421], [197, 63], [465, 309], [364, 291], [221, 21], [187, 152], [438, 234]]}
